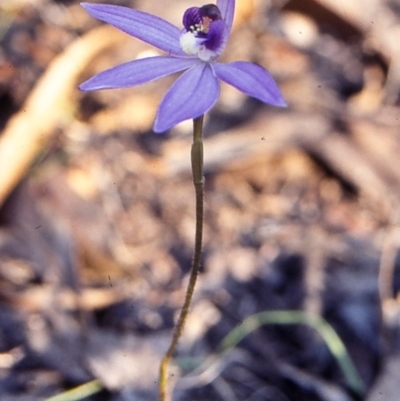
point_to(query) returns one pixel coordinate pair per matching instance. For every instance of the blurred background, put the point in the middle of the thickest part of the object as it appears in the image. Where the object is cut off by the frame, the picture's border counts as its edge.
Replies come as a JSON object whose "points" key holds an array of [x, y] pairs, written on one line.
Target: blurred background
{"points": [[301, 209]]}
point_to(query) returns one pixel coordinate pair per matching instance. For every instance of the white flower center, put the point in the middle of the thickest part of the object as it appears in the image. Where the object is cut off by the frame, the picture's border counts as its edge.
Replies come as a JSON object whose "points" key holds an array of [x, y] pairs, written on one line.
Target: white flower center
{"points": [[193, 45]]}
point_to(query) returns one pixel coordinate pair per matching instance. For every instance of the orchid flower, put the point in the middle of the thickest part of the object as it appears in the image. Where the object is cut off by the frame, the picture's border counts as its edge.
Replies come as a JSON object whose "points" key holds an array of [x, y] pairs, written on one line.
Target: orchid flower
{"points": [[193, 49]]}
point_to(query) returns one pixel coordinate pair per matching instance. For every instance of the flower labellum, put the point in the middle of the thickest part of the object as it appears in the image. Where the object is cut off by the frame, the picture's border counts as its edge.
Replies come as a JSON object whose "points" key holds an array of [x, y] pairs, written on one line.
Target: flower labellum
{"points": [[194, 49], [205, 33]]}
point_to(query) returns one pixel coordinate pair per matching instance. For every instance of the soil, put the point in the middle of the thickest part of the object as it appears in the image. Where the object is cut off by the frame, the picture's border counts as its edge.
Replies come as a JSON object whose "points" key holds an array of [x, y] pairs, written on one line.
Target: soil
{"points": [[297, 298]]}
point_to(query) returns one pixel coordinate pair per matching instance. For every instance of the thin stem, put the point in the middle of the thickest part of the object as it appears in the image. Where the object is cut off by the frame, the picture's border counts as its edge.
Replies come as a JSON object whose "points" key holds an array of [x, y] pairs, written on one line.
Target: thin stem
{"points": [[326, 331], [78, 393], [198, 181]]}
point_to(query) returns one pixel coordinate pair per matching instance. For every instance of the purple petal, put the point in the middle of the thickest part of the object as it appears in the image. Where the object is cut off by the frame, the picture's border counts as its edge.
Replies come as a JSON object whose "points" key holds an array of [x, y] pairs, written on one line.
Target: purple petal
{"points": [[191, 17], [146, 27], [251, 79], [137, 72], [217, 37], [227, 8], [192, 94]]}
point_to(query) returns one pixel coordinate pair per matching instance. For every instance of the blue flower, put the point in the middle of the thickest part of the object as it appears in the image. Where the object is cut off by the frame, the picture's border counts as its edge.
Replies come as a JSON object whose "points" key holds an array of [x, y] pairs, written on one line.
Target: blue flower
{"points": [[194, 49]]}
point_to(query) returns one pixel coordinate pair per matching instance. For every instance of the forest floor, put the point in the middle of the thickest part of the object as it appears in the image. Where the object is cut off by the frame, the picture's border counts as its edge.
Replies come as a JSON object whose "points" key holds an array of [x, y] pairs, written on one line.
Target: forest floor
{"points": [[302, 219]]}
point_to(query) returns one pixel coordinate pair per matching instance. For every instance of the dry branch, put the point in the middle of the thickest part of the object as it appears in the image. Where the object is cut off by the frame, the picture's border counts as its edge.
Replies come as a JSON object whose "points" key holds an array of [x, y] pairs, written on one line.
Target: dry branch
{"points": [[29, 131]]}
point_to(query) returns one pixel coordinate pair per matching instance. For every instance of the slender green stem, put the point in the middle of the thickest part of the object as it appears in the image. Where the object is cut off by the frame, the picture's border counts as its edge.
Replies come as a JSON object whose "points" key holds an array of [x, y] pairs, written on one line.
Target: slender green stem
{"points": [[331, 338], [198, 181], [78, 393]]}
